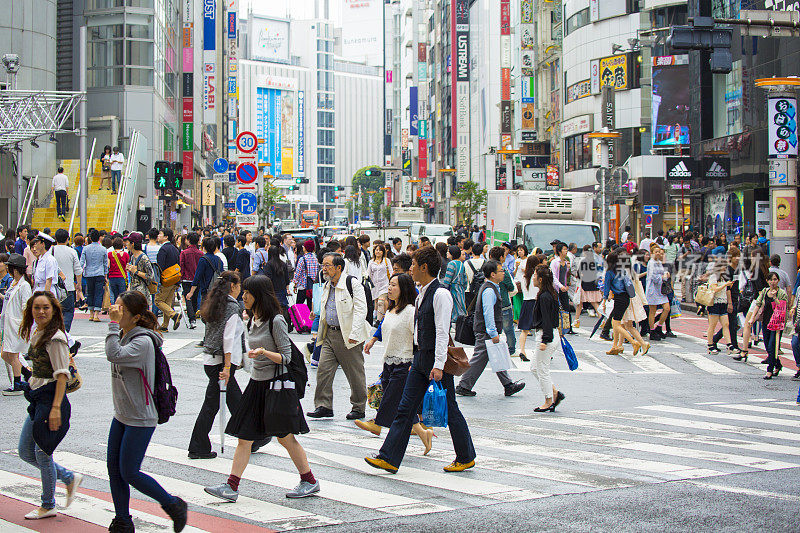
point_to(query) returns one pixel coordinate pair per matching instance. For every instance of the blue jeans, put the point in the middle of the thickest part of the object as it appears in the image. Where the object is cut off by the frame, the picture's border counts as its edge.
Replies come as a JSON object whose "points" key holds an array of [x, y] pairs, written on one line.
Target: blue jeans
{"points": [[508, 329], [796, 349], [95, 288], [126, 448], [770, 340], [68, 310], [116, 177], [116, 286], [50, 470], [317, 347], [394, 447]]}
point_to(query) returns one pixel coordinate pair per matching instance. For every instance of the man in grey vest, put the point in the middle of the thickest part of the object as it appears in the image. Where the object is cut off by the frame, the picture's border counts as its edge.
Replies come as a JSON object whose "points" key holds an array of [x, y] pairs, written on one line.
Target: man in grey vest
{"points": [[488, 315]]}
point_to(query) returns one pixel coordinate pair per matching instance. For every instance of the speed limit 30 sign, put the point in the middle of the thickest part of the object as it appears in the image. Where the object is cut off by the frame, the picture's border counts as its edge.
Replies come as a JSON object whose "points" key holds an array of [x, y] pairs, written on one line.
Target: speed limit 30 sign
{"points": [[246, 142]]}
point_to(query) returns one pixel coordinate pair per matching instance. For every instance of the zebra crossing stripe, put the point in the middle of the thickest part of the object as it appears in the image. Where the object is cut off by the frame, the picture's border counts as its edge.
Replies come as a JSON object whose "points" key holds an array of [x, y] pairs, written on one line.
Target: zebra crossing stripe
{"points": [[98, 349], [704, 363], [648, 364], [10, 527], [647, 447], [348, 494], [699, 424], [761, 409], [597, 362], [86, 508], [267, 513], [707, 413]]}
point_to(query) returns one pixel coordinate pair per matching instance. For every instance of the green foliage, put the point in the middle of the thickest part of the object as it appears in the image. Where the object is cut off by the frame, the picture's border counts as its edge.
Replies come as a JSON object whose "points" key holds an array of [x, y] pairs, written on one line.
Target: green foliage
{"points": [[471, 201], [368, 183], [268, 196]]}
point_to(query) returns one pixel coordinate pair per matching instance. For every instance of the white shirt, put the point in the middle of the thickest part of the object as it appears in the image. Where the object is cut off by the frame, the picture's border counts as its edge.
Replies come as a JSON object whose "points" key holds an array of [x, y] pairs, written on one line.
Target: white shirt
{"points": [[224, 260], [529, 290], [117, 160], [442, 311], [476, 262], [623, 237], [397, 330], [231, 343], [46, 268], [69, 264], [645, 244], [60, 182], [353, 269]]}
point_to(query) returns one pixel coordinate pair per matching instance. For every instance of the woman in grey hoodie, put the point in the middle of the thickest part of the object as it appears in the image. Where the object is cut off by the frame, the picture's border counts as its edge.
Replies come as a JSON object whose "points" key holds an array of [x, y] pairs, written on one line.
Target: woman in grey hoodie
{"points": [[131, 348]]}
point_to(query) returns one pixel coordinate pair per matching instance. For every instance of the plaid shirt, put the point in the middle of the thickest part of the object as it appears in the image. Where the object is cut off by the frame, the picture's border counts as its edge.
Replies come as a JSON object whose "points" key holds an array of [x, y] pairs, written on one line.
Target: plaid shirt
{"points": [[307, 267]]}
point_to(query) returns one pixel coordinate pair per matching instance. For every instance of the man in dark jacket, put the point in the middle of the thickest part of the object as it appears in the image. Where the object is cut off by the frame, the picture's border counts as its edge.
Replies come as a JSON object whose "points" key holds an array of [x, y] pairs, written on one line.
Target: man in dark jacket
{"points": [[229, 251], [241, 261], [208, 267], [168, 256]]}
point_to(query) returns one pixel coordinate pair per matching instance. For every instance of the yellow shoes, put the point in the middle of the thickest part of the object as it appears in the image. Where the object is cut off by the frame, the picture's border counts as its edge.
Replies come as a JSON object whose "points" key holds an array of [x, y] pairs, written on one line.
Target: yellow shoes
{"points": [[370, 426], [377, 462], [455, 466]]}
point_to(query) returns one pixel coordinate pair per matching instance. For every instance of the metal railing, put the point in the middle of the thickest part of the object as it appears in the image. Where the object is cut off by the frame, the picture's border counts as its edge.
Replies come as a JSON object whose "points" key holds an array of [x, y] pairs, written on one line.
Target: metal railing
{"points": [[127, 187], [78, 191], [26, 203]]}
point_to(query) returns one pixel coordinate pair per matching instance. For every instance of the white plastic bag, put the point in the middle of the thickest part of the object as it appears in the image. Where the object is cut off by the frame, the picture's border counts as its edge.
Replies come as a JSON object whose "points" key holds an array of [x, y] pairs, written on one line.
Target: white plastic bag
{"points": [[499, 358]]}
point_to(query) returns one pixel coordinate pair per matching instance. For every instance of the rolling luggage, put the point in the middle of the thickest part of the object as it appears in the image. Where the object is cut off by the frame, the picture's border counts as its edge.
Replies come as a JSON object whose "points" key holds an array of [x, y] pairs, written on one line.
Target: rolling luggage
{"points": [[301, 318]]}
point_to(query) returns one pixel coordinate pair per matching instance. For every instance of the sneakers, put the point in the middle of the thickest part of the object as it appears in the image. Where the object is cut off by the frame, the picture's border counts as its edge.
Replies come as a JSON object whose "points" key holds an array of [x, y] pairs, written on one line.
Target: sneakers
{"points": [[16, 389], [461, 391], [313, 364], [72, 488], [455, 466], [303, 490], [178, 512], [223, 492], [513, 388]]}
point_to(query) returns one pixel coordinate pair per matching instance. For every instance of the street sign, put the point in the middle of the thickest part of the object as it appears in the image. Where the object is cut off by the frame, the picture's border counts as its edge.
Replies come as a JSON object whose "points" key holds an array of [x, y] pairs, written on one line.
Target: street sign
{"points": [[650, 210], [246, 142], [247, 220], [246, 173], [246, 203], [648, 221], [220, 178], [220, 164], [426, 188], [232, 177], [229, 205]]}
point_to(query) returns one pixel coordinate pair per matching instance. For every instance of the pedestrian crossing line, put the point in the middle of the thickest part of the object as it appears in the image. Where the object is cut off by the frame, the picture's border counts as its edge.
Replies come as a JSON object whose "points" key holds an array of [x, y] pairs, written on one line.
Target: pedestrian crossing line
{"points": [[596, 361], [98, 349], [647, 447], [528, 366], [746, 491], [704, 363], [267, 513], [699, 424], [10, 527], [675, 435], [348, 494], [761, 409], [649, 364], [716, 414], [538, 471], [782, 402], [764, 400], [654, 468], [84, 507]]}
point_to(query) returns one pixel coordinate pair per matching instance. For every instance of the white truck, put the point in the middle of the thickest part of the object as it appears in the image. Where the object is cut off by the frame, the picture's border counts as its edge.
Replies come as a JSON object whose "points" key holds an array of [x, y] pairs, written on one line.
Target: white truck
{"points": [[537, 218], [339, 216], [404, 216]]}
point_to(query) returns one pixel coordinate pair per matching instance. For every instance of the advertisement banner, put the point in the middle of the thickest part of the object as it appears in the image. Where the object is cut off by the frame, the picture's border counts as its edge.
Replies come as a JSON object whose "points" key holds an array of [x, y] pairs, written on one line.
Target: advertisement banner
{"points": [[462, 132], [594, 75], [209, 86], [188, 109], [670, 101], [188, 136], [528, 122], [614, 72], [361, 29], [579, 90], [782, 116], [680, 168], [784, 214], [716, 168], [552, 177], [505, 116], [287, 133], [268, 128], [413, 110], [188, 55], [232, 24], [505, 84], [528, 64], [188, 85], [269, 39], [526, 12], [209, 25], [528, 89], [188, 166], [301, 133], [527, 36], [423, 159]]}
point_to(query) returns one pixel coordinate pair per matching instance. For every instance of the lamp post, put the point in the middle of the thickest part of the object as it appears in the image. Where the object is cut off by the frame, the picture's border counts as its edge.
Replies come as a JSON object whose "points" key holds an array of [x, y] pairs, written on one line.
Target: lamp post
{"points": [[604, 136]]}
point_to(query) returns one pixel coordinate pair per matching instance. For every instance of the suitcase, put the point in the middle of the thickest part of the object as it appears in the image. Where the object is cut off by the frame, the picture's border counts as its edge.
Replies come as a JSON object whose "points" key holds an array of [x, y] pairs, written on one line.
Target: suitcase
{"points": [[301, 318]]}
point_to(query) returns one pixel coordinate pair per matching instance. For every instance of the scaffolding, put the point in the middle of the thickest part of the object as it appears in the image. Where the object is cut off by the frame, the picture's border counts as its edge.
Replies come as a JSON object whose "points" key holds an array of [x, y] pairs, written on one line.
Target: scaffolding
{"points": [[27, 115]]}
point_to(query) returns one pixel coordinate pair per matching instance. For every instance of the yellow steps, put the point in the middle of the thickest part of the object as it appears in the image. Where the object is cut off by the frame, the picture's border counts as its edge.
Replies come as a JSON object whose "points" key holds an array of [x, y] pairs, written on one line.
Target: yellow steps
{"points": [[100, 204]]}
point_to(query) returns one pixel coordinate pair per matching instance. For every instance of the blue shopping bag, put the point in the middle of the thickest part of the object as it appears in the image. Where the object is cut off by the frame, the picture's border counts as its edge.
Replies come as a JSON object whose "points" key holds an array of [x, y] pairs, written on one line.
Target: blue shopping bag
{"points": [[316, 298], [569, 354], [434, 406], [675, 308]]}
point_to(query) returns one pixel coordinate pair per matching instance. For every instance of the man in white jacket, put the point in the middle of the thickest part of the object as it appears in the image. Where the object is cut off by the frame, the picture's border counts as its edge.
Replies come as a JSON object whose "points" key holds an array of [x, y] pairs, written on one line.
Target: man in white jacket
{"points": [[342, 332]]}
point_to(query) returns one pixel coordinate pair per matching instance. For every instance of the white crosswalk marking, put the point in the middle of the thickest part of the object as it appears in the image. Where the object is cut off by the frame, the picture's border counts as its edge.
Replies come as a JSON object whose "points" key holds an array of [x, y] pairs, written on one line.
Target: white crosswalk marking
{"points": [[761, 409], [707, 413], [703, 363], [98, 349], [648, 364], [9, 527], [597, 362]]}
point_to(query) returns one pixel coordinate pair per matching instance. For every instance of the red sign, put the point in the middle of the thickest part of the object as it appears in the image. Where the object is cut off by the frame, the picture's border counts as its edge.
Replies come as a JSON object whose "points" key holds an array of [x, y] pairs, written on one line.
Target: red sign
{"points": [[426, 188], [423, 158], [505, 85], [188, 109], [422, 53], [246, 173], [505, 17], [246, 142], [552, 176], [188, 166]]}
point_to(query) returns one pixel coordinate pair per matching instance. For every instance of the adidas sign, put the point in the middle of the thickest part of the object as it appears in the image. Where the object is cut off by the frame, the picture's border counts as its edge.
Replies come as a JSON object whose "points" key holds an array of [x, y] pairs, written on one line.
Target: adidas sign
{"points": [[716, 171], [680, 171]]}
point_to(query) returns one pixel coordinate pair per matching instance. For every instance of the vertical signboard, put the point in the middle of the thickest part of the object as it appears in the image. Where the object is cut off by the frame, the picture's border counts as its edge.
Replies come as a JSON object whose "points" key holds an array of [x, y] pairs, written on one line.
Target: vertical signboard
{"points": [[301, 133], [782, 116], [460, 78], [609, 118], [413, 110], [233, 67], [188, 91], [209, 61]]}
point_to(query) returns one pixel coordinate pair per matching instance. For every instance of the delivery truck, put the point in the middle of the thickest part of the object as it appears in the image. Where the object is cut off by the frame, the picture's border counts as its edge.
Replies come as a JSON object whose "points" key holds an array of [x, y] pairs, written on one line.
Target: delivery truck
{"points": [[537, 218], [405, 216]]}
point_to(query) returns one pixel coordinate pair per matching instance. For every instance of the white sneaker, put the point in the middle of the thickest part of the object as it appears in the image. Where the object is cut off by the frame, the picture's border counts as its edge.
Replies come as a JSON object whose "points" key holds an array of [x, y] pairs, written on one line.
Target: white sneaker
{"points": [[72, 488], [39, 513], [303, 490]]}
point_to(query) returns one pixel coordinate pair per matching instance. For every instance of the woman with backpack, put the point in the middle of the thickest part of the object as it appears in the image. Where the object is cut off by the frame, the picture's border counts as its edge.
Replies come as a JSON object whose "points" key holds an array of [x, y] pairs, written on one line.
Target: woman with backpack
{"points": [[378, 271], [222, 354], [270, 405], [455, 280], [49, 411], [131, 345]]}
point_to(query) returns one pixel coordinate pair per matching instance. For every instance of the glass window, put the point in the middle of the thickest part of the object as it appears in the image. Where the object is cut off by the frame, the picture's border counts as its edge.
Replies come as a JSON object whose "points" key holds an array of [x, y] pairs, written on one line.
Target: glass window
{"points": [[104, 77], [139, 76], [140, 53], [139, 31], [587, 152], [105, 53], [325, 156], [578, 20], [325, 138]]}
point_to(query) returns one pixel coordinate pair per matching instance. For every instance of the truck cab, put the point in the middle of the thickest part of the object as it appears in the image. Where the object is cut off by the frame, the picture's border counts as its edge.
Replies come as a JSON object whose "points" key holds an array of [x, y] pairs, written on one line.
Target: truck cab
{"points": [[540, 233]]}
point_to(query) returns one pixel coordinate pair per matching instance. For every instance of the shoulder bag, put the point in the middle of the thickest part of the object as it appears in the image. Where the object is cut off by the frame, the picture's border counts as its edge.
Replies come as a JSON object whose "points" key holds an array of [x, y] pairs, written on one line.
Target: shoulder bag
{"points": [[119, 266], [457, 361]]}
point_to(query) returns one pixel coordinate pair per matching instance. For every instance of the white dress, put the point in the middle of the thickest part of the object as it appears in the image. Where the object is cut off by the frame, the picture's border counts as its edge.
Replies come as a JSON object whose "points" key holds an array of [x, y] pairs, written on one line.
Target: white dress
{"points": [[16, 299]]}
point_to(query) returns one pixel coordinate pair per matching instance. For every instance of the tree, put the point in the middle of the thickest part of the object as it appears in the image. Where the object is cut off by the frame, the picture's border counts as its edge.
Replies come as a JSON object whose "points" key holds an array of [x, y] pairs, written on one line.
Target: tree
{"points": [[471, 201], [368, 183], [268, 196]]}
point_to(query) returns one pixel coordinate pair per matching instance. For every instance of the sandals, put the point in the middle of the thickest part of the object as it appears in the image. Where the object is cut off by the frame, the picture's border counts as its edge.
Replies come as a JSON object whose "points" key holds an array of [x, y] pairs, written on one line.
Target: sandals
{"points": [[741, 356]]}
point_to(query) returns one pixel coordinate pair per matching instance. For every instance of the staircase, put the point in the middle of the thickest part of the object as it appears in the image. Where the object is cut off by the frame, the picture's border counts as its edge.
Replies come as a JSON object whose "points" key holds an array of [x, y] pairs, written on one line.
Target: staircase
{"points": [[100, 204]]}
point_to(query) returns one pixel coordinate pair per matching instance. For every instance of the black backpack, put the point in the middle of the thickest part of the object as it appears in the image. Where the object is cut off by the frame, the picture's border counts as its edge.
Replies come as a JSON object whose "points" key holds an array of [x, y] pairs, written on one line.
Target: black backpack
{"points": [[297, 367], [477, 280], [367, 295], [746, 296], [164, 393]]}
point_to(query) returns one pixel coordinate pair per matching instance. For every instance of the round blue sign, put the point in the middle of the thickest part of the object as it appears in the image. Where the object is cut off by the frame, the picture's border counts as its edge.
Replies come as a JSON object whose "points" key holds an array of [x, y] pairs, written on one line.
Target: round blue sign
{"points": [[220, 165], [246, 203]]}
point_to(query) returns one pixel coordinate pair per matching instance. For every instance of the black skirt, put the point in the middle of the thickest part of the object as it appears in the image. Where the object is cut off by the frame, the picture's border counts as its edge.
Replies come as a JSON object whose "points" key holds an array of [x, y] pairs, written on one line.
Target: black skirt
{"points": [[252, 420], [525, 322]]}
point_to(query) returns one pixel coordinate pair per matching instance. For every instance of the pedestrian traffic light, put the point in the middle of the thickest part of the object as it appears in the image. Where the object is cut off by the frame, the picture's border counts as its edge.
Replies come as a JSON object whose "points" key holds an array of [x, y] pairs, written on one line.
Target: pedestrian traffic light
{"points": [[176, 175], [162, 174], [337, 188]]}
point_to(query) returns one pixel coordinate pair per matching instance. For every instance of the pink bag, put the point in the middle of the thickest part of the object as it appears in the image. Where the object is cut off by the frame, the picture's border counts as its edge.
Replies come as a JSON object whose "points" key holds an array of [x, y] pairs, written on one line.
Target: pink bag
{"points": [[778, 320], [301, 318]]}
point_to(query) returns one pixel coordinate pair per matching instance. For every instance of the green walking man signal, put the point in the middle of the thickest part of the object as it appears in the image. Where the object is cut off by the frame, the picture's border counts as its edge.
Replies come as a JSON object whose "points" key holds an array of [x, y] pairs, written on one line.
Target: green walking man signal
{"points": [[168, 175]]}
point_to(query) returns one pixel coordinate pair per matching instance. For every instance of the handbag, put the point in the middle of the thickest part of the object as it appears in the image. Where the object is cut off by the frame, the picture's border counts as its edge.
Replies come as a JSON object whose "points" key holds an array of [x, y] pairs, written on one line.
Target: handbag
{"points": [[666, 287], [628, 283], [74, 380], [704, 295], [566, 347], [464, 331], [171, 275], [778, 320], [375, 394], [434, 405], [281, 399], [457, 361]]}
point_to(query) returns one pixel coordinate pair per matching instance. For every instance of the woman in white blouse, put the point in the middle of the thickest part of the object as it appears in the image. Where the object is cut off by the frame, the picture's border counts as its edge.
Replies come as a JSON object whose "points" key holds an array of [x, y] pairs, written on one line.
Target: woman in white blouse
{"points": [[378, 271], [352, 264], [525, 283], [398, 336]]}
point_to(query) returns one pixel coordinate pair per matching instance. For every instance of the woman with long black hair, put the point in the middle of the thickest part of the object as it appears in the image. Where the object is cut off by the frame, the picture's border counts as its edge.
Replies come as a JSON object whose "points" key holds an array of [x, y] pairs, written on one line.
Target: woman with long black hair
{"points": [[222, 352], [270, 348], [131, 349], [14, 301], [545, 321], [529, 293], [278, 273], [397, 330], [49, 411]]}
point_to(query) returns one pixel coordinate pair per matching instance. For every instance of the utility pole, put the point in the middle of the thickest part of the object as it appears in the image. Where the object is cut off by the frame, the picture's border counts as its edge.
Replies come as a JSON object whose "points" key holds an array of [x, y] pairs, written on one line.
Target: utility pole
{"points": [[604, 136], [84, 182]]}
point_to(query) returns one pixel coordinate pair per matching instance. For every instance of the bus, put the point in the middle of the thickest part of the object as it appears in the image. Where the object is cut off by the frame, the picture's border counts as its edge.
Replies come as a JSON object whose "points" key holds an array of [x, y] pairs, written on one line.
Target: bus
{"points": [[309, 219]]}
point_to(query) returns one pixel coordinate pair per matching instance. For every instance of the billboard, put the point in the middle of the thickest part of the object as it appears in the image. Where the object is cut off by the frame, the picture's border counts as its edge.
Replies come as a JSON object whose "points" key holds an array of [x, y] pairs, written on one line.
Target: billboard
{"points": [[670, 101], [361, 30], [614, 72], [782, 116], [275, 129], [301, 133], [413, 110], [269, 39]]}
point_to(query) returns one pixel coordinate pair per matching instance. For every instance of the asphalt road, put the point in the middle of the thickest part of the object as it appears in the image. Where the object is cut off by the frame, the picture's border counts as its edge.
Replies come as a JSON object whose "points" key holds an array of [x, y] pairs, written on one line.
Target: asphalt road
{"points": [[672, 441]]}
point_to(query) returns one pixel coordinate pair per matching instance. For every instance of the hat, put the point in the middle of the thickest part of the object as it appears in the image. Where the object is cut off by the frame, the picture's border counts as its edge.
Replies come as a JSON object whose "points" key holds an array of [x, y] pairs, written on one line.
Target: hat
{"points": [[45, 237], [135, 237], [555, 241], [16, 260]]}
